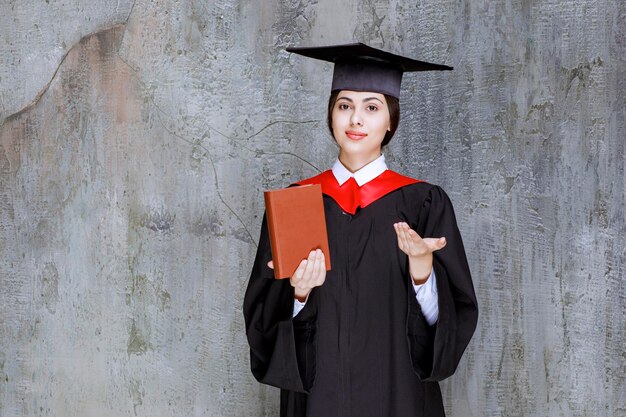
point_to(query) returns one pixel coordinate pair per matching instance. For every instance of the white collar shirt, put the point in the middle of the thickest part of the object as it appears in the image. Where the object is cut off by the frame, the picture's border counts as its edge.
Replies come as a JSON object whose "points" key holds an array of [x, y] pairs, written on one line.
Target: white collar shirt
{"points": [[363, 175]]}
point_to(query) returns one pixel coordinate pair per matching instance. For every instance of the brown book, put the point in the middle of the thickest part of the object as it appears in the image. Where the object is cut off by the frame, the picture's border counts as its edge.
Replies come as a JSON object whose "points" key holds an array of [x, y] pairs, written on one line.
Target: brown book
{"points": [[297, 225]]}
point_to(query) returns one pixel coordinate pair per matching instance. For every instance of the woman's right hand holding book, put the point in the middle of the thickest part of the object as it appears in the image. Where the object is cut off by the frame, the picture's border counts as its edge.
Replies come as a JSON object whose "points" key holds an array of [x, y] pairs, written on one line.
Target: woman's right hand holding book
{"points": [[310, 273]]}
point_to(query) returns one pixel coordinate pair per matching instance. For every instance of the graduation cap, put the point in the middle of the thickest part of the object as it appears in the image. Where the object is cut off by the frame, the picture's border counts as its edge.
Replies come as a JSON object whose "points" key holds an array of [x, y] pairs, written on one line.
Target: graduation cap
{"points": [[359, 67]]}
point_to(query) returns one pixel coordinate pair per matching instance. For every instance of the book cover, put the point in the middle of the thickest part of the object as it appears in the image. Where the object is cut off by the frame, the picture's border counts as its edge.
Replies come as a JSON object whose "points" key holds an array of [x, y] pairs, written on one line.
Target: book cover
{"points": [[297, 225]]}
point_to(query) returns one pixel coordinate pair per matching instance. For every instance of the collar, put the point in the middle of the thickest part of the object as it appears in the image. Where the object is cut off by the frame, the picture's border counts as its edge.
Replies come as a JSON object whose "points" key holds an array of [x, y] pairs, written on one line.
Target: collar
{"points": [[363, 175]]}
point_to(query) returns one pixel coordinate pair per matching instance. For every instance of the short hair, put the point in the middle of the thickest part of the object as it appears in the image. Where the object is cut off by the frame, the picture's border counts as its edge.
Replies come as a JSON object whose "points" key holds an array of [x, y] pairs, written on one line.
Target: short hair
{"points": [[393, 105]]}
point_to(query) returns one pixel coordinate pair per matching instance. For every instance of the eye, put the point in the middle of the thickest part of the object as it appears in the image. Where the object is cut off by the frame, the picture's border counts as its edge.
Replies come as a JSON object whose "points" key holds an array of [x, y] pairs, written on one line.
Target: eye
{"points": [[343, 106], [371, 107]]}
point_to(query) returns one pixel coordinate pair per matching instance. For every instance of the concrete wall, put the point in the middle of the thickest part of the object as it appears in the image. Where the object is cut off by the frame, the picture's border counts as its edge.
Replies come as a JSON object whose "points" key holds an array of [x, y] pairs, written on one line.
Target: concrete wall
{"points": [[136, 140]]}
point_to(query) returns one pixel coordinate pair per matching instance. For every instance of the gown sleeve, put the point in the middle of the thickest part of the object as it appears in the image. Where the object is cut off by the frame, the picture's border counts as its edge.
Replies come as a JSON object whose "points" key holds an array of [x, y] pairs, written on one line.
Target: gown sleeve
{"points": [[282, 349], [436, 350]]}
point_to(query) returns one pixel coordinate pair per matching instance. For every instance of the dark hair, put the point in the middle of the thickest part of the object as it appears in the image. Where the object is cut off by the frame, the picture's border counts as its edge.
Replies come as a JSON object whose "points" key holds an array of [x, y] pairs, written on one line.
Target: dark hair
{"points": [[393, 104]]}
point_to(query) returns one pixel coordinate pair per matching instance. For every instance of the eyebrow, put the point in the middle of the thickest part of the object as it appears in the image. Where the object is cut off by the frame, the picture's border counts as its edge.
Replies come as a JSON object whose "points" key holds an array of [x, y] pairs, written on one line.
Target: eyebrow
{"points": [[365, 99]]}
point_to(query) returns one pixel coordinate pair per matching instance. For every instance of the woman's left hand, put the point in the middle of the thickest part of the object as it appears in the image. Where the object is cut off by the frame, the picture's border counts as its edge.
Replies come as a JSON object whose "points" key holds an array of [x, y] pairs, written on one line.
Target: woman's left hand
{"points": [[419, 250]]}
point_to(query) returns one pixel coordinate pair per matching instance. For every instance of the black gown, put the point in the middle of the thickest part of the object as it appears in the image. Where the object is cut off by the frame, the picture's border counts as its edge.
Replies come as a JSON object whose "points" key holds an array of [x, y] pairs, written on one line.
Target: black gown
{"points": [[361, 347]]}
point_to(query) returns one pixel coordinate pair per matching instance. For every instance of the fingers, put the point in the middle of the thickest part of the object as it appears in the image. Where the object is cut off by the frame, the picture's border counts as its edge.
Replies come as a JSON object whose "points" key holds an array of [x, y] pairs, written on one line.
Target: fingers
{"points": [[399, 234], [310, 273], [309, 265], [321, 272], [405, 241], [316, 268], [435, 244], [300, 270], [411, 243], [271, 264], [317, 264]]}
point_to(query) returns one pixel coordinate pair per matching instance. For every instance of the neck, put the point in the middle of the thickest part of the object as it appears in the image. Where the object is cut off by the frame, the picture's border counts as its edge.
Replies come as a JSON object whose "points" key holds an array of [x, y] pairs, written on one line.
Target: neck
{"points": [[355, 162]]}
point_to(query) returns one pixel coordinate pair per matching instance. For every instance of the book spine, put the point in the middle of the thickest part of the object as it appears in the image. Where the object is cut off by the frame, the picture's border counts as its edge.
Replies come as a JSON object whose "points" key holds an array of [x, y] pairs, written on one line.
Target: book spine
{"points": [[271, 221]]}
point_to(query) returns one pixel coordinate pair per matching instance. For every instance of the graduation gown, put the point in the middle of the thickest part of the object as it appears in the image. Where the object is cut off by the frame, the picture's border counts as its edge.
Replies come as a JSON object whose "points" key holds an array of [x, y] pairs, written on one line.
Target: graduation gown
{"points": [[361, 347]]}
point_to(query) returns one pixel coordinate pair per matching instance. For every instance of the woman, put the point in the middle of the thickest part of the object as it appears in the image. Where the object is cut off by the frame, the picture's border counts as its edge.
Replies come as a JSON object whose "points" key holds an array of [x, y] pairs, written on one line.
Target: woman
{"points": [[372, 336]]}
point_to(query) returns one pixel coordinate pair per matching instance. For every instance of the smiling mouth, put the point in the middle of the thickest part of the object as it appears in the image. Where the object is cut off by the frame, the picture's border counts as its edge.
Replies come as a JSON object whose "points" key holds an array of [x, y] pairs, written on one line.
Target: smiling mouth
{"points": [[354, 135]]}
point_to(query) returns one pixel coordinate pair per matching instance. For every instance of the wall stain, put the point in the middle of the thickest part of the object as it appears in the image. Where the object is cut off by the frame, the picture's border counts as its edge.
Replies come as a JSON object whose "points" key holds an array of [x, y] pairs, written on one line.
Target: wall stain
{"points": [[213, 224], [507, 119], [114, 31], [538, 119], [48, 287], [146, 299], [137, 341], [137, 393], [245, 129], [10, 143], [371, 28], [5, 165], [510, 182], [5, 377], [157, 220], [198, 154], [579, 75], [600, 211], [208, 224], [143, 291]]}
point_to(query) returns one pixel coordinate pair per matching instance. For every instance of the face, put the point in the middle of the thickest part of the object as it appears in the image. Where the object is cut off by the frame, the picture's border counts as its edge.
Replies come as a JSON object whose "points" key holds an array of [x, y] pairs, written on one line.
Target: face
{"points": [[360, 121]]}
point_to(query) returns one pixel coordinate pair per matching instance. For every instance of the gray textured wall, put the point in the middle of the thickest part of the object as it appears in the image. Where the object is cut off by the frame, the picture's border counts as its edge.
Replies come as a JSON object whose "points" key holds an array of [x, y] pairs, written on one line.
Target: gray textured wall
{"points": [[136, 139]]}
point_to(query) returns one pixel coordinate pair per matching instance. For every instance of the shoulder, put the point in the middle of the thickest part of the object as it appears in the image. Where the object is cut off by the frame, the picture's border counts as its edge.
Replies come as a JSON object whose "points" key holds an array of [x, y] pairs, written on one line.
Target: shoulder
{"points": [[394, 174], [423, 192], [408, 184], [428, 189]]}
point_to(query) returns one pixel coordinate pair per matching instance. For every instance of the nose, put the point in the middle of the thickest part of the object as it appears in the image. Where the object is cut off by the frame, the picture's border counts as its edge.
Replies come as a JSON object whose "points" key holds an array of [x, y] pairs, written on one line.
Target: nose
{"points": [[356, 119]]}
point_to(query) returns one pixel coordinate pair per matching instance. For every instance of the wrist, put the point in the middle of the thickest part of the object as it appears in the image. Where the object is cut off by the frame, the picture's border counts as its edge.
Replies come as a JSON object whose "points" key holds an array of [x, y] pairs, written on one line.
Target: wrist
{"points": [[420, 281], [420, 268], [301, 295]]}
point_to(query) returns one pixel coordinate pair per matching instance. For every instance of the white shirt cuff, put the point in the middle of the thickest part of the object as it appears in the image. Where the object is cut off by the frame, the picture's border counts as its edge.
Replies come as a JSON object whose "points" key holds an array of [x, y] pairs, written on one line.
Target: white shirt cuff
{"points": [[427, 297], [297, 306]]}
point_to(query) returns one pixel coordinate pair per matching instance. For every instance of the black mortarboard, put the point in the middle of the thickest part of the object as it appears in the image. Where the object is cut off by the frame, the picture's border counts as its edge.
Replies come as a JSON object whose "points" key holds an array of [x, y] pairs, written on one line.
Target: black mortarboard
{"points": [[359, 67]]}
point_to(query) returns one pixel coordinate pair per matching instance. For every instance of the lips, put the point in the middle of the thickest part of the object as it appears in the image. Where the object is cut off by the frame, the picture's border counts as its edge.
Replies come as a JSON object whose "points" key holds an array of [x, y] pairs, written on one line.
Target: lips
{"points": [[355, 135]]}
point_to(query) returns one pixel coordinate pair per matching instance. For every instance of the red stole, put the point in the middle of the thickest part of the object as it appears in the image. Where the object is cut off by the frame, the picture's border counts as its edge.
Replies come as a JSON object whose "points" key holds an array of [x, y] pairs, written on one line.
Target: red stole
{"points": [[349, 196]]}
